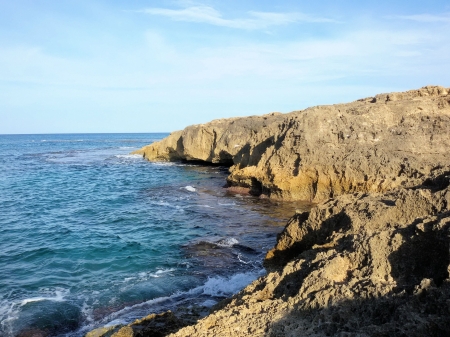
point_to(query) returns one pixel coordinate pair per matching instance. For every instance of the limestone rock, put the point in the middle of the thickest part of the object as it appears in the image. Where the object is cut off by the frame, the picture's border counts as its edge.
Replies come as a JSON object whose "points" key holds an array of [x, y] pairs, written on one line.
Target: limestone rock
{"points": [[371, 145], [373, 257], [356, 265]]}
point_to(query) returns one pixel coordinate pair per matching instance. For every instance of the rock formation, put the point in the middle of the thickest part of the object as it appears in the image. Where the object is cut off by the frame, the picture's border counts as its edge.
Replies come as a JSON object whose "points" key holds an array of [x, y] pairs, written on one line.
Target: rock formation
{"points": [[373, 257], [357, 265], [371, 145]]}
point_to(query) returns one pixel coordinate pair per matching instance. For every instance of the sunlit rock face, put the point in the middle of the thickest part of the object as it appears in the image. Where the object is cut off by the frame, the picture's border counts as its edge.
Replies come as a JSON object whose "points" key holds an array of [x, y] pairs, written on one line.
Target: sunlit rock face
{"points": [[372, 257], [370, 145]]}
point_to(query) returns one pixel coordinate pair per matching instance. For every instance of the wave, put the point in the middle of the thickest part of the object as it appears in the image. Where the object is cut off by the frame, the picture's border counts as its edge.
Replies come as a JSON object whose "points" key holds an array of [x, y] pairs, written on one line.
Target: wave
{"points": [[206, 295], [160, 272], [190, 189], [226, 286], [129, 156], [168, 204], [227, 204], [10, 310], [227, 242], [62, 140]]}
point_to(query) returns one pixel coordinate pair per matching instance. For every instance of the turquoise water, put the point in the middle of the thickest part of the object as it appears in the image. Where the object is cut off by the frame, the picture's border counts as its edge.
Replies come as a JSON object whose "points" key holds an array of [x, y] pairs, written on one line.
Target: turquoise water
{"points": [[91, 235]]}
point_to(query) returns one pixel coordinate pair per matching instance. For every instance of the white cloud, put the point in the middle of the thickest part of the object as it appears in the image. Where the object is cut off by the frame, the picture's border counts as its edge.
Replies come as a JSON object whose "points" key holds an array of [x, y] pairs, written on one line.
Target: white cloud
{"points": [[256, 20], [426, 18]]}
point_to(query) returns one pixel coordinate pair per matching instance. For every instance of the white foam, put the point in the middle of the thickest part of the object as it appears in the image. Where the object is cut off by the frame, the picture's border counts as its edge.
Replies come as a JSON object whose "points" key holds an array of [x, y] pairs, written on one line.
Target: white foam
{"points": [[116, 322], [129, 156], [161, 272], [227, 204], [240, 259], [190, 188], [113, 319], [10, 310], [214, 286], [226, 286], [59, 297], [31, 300], [167, 204], [227, 242]]}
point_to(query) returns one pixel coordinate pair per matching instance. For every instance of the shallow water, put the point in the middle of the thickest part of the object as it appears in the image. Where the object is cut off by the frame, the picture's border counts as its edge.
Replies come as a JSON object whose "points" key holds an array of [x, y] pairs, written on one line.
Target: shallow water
{"points": [[90, 235]]}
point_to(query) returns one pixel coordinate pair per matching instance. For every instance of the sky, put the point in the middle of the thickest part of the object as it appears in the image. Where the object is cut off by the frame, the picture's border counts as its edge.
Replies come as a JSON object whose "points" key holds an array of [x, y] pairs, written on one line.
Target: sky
{"points": [[75, 66]]}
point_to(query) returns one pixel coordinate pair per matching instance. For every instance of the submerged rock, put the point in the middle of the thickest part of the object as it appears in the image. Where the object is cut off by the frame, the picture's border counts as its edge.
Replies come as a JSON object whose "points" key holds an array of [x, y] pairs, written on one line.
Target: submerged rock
{"points": [[155, 325], [371, 145]]}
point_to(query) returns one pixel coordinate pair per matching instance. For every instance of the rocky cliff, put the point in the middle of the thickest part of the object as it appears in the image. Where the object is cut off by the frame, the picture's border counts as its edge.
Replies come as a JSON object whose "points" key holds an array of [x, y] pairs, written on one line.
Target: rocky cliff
{"points": [[371, 145], [356, 265], [373, 257]]}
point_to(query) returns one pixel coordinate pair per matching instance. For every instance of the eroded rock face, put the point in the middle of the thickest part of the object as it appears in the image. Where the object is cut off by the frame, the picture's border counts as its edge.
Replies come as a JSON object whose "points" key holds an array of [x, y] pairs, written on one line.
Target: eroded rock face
{"points": [[356, 265], [371, 145]]}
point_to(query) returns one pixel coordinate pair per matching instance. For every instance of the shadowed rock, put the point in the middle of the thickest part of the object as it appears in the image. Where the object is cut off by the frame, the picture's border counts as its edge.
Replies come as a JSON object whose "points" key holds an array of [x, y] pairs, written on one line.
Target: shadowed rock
{"points": [[357, 265]]}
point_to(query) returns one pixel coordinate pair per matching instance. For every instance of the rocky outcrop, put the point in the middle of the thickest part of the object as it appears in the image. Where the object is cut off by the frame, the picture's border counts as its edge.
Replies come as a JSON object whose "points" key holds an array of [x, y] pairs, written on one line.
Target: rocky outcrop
{"points": [[371, 145], [372, 258], [356, 265]]}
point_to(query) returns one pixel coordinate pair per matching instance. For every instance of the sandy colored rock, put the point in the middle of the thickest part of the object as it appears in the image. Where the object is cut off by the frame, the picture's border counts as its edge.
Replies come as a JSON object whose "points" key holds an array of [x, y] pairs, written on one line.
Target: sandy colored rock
{"points": [[372, 258], [370, 145], [100, 331], [356, 265]]}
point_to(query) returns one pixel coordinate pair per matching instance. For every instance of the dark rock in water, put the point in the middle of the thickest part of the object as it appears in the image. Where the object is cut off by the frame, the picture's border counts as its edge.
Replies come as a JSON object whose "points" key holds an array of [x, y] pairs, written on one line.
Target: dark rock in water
{"points": [[154, 325], [60, 317], [33, 333]]}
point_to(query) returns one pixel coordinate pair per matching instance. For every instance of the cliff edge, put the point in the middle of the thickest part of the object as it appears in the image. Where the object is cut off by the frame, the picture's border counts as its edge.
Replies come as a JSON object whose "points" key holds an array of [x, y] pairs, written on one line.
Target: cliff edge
{"points": [[374, 144]]}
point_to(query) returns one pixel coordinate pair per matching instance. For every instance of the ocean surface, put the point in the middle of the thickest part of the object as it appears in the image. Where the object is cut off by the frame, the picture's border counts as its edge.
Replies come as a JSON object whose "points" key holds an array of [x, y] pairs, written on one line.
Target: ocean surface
{"points": [[91, 235]]}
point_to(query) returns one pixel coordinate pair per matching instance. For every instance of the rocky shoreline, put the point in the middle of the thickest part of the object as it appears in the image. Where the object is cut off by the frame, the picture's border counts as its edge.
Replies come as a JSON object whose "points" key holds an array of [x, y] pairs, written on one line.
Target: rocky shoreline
{"points": [[373, 257]]}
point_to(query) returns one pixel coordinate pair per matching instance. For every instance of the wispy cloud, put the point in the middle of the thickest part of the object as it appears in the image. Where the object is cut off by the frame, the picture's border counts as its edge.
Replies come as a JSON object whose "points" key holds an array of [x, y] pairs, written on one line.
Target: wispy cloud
{"points": [[426, 18], [256, 20]]}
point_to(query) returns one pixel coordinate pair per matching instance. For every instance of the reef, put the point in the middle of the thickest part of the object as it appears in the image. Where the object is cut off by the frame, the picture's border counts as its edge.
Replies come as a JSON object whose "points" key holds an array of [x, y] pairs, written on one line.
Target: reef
{"points": [[372, 258]]}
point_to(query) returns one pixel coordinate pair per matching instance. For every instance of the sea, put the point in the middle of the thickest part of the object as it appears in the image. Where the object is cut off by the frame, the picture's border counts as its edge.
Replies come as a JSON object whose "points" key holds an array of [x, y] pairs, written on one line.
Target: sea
{"points": [[91, 235]]}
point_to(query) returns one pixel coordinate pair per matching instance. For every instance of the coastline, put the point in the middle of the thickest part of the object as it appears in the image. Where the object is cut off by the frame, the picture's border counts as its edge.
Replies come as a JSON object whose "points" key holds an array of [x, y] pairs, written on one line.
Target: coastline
{"points": [[372, 257]]}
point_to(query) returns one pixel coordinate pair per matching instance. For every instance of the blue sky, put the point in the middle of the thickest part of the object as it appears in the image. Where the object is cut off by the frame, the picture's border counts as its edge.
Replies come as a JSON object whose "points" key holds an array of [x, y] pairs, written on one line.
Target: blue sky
{"points": [[156, 66]]}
